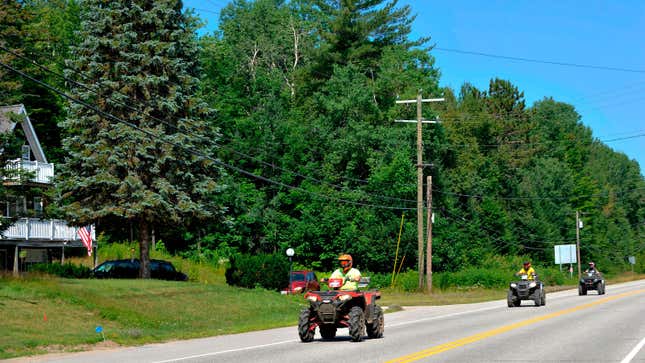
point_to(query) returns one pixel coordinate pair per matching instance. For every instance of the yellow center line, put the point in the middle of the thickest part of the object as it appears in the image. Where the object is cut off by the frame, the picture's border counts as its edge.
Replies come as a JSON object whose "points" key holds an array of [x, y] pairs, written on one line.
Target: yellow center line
{"points": [[473, 338]]}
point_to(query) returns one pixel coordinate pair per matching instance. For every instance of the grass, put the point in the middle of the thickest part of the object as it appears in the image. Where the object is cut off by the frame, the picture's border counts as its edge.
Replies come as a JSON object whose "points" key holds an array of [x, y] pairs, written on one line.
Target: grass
{"points": [[42, 314]]}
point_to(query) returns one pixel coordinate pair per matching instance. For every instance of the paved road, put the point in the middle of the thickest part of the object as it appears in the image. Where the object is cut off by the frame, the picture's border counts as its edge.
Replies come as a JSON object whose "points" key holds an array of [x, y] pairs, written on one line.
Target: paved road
{"points": [[570, 328]]}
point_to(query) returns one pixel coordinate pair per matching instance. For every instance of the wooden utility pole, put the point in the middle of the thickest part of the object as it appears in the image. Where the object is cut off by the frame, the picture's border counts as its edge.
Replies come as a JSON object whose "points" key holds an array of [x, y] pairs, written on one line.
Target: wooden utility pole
{"points": [[429, 239], [578, 243], [419, 121]]}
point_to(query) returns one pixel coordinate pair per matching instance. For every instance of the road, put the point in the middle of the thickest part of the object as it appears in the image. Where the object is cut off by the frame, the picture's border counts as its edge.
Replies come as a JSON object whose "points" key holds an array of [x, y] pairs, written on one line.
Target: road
{"points": [[570, 328]]}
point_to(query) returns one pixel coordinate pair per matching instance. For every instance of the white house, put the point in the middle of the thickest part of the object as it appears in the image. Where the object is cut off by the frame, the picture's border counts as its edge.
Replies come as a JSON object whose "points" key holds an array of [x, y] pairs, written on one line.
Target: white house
{"points": [[31, 238]]}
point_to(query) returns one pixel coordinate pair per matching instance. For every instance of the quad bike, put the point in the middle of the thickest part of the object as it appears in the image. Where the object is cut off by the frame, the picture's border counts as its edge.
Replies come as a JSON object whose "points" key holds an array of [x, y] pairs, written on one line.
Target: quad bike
{"points": [[591, 281], [333, 309], [526, 289]]}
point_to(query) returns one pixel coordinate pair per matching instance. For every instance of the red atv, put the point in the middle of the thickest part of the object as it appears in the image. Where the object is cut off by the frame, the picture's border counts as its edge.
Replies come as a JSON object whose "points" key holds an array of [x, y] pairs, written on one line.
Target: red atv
{"points": [[333, 309]]}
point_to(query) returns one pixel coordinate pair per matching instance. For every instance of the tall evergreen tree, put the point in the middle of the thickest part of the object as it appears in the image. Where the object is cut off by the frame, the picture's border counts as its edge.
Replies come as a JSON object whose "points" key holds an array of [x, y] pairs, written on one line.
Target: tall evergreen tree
{"points": [[141, 59], [13, 35]]}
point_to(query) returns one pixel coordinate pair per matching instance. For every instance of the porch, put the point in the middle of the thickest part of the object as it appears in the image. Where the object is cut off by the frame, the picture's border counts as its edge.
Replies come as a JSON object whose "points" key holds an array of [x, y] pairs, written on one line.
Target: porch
{"points": [[34, 240]]}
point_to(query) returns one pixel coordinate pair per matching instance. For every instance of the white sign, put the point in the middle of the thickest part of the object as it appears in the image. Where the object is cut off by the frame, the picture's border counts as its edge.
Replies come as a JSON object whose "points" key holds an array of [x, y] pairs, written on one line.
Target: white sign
{"points": [[632, 260], [565, 254]]}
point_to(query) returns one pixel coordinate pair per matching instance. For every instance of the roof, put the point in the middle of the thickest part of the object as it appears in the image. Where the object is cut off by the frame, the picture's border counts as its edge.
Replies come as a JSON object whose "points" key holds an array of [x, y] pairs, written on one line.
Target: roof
{"points": [[8, 125]]}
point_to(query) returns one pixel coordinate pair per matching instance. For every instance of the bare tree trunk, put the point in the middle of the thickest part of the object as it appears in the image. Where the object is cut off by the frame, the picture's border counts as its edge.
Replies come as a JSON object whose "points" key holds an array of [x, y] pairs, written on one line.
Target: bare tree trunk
{"points": [[144, 248]]}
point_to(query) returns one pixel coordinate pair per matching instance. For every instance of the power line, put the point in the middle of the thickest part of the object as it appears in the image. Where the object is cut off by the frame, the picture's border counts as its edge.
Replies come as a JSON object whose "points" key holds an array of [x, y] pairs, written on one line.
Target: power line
{"points": [[190, 150], [202, 138], [530, 60], [358, 180]]}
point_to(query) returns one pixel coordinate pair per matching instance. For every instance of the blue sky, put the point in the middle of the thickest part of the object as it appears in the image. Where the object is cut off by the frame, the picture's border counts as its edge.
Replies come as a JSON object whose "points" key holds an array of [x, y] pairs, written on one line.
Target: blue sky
{"points": [[600, 34]]}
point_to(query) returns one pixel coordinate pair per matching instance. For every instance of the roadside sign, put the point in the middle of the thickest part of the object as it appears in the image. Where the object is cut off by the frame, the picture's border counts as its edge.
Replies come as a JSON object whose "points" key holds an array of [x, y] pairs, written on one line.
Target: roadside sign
{"points": [[565, 254], [632, 260]]}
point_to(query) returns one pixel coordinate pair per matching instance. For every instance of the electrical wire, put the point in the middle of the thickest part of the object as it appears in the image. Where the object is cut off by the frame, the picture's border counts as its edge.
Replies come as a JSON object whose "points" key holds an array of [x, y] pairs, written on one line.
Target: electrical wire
{"points": [[207, 140], [190, 150], [530, 60]]}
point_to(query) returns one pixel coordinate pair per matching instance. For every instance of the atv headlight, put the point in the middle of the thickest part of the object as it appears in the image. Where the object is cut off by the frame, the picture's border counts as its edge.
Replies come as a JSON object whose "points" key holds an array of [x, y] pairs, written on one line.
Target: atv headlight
{"points": [[532, 284], [312, 298], [513, 285], [344, 297]]}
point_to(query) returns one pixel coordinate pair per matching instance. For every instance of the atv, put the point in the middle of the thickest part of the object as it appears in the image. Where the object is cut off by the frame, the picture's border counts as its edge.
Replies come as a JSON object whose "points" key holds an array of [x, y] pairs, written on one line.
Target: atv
{"points": [[526, 289], [333, 309], [591, 281]]}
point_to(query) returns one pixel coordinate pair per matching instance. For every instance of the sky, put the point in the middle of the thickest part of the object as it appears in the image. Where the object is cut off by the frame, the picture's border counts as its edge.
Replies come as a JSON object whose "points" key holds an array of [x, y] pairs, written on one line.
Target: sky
{"points": [[589, 54]]}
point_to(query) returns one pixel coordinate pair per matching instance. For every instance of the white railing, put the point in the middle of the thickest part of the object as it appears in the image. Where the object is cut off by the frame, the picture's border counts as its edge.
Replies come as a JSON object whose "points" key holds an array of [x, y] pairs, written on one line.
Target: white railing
{"points": [[43, 172], [42, 229]]}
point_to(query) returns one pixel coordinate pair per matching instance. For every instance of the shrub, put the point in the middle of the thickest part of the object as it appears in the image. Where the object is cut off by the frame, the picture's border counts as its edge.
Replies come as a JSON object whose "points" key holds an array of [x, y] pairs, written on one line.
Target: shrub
{"points": [[268, 271], [68, 270], [472, 277]]}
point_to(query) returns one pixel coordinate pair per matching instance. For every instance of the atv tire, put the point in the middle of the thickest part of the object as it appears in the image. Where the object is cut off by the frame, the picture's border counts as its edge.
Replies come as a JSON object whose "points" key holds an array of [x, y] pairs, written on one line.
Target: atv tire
{"points": [[543, 298], [538, 299], [327, 331], [375, 329], [306, 334], [356, 323], [509, 299]]}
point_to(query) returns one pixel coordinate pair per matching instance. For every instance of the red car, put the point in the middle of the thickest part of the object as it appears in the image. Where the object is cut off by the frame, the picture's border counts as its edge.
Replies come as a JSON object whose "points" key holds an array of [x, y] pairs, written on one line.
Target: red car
{"points": [[302, 280]]}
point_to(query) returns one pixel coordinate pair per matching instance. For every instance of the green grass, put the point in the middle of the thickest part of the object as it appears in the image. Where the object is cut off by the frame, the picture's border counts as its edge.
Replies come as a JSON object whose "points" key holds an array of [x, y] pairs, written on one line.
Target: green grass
{"points": [[130, 312]]}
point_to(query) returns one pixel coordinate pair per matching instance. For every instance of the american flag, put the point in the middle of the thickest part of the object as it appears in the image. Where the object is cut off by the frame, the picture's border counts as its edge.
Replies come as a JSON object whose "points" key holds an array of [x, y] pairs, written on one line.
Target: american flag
{"points": [[86, 237]]}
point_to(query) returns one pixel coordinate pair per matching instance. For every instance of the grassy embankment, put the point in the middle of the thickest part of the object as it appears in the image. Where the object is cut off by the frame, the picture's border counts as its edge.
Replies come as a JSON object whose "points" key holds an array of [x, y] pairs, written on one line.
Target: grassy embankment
{"points": [[43, 314]]}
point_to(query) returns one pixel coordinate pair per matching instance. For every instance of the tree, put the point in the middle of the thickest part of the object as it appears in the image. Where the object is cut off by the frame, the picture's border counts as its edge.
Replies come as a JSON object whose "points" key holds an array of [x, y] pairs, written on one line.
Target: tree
{"points": [[143, 153], [14, 18]]}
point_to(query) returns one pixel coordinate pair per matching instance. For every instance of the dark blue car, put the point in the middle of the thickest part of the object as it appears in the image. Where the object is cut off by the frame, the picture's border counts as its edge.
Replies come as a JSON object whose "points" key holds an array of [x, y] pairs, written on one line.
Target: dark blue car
{"points": [[129, 269]]}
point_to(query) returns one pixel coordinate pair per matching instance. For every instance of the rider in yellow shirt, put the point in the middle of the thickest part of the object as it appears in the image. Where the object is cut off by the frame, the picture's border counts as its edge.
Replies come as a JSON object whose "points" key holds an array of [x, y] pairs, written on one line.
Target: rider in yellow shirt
{"points": [[526, 270], [350, 275]]}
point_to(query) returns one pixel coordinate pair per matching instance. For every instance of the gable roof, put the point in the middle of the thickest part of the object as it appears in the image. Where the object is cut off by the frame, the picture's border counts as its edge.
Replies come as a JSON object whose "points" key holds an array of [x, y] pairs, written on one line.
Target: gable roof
{"points": [[8, 125]]}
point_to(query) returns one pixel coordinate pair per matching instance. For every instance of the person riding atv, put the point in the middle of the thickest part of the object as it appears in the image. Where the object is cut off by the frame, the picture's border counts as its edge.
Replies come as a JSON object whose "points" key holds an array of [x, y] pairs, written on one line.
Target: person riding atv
{"points": [[527, 288], [343, 306], [591, 280], [351, 276], [526, 270]]}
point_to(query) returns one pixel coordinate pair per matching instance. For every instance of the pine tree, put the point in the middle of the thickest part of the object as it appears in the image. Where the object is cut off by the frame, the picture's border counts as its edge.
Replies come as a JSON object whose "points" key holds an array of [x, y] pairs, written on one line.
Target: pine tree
{"points": [[14, 35], [141, 59]]}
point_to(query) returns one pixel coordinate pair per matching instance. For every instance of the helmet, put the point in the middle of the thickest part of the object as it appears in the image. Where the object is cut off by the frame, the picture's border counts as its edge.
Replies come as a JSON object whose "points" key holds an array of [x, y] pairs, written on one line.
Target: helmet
{"points": [[591, 264], [527, 264], [345, 262]]}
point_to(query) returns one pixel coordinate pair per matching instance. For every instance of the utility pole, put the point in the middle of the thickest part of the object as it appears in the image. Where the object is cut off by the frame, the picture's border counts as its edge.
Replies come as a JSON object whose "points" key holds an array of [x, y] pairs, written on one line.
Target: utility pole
{"points": [[578, 243], [429, 229], [419, 101]]}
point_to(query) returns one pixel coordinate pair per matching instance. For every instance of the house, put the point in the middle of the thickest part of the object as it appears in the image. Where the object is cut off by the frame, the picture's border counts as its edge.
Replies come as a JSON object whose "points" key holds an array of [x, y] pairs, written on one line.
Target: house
{"points": [[30, 239]]}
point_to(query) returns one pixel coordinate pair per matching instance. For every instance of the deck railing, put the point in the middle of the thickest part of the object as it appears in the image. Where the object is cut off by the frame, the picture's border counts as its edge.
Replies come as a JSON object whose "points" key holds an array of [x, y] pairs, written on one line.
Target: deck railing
{"points": [[43, 172], [43, 229]]}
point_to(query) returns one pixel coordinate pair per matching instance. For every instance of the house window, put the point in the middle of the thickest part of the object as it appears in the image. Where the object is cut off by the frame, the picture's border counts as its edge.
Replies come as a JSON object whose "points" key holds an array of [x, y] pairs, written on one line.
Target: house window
{"points": [[26, 152], [16, 206], [38, 206]]}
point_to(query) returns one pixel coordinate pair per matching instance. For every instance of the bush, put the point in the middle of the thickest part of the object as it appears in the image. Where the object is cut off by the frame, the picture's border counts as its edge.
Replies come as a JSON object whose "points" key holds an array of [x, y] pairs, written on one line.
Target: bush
{"points": [[407, 281], [268, 271], [67, 270], [473, 277]]}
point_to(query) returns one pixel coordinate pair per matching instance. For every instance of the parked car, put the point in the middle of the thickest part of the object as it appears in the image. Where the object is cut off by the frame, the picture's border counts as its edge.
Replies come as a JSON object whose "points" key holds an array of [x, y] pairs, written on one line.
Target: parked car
{"points": [[302, 280], [129, 269]]}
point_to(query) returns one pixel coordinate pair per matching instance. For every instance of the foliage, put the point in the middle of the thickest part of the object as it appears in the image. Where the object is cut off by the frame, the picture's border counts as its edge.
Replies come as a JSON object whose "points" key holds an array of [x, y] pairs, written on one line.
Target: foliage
{"points": [[250, 271], [60, 315], [138, 164], [67, 270]]}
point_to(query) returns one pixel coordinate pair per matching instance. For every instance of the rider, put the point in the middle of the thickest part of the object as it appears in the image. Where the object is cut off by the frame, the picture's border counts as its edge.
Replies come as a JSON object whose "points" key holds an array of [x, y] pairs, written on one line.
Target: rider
{"points": [[350, 275], [592, 268], [526, 270]]}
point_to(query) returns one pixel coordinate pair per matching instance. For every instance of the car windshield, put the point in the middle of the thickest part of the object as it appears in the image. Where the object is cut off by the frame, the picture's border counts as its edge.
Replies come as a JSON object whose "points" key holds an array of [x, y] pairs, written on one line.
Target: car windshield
{"points": [[297, 277], [105, 267]]}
